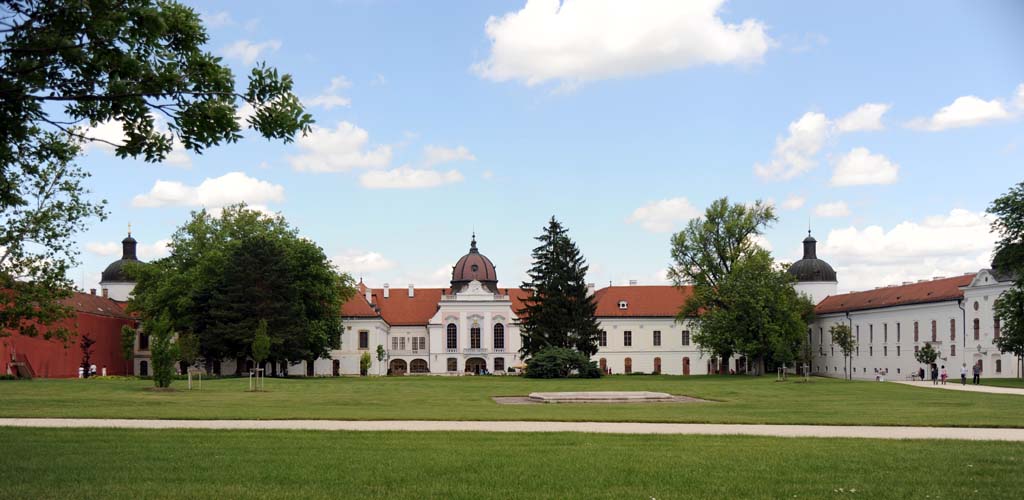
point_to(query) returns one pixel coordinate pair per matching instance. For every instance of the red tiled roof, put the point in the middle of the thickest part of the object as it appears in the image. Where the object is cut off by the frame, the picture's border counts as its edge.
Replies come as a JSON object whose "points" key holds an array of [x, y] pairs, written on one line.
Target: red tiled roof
{"points": [[642, 301], [96, 304], [357, 307], [400, 309], [915, 293]]}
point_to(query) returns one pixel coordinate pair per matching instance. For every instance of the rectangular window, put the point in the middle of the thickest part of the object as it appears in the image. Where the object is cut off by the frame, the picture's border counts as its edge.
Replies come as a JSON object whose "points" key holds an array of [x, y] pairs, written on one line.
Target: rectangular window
{"points": [[686, 337], [858, 333], [871, 350], [915, 331], [885, 332], [452, 340], [421, 343], [916, 348], [999, 366], [871, 333], [394, 343], [627, 338], [453, 365], [602, 339], [499, 365], [499, 342], [143, 341], [401, 343], [364, 339], [977, 329], [474, 338], [897, 332], [952, 350], [657, 338], [952, 329], [897, 351], [995, 329]]}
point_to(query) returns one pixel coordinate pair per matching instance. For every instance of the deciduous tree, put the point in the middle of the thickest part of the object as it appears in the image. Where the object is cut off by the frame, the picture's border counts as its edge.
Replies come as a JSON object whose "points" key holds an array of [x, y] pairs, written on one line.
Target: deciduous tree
{"points": [[1009, 260], [843, 337]]}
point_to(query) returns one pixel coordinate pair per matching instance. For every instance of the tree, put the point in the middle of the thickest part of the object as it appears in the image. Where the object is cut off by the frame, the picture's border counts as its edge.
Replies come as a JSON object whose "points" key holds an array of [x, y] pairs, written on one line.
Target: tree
{"points": [[926, 355], [127, 343], [261, 344], [843, 337], [1009, 260], [43, 205], [1009, 308], [381, 355], [364, 363], [86, 346], [162, 348], [558, 311], [704, 254], [208, 285], [188, 348], [69, 66], [756, 312], [561, 362]]}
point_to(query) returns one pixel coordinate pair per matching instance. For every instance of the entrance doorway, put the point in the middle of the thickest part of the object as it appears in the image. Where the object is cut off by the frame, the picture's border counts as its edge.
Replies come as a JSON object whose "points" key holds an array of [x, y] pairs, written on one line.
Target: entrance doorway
{"points": [[686, 366], [657, 366], [418, 366], [476, 365], [336, 367], [603, 363], [397, 367]]}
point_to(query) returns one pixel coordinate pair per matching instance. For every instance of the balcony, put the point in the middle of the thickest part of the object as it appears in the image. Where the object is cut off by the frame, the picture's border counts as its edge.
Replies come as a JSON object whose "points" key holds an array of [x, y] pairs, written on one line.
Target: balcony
{"points": [[475, 350]]}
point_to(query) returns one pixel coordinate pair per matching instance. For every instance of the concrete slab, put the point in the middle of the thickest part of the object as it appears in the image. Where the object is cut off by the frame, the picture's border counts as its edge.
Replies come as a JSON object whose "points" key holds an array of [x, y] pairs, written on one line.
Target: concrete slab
{"points": [[601, 397]]}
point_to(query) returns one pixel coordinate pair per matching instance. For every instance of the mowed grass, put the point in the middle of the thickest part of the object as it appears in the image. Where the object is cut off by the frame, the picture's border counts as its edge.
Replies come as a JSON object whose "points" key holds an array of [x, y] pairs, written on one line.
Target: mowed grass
{"points": [[738, 399], [111, 464], [1002, 382]]}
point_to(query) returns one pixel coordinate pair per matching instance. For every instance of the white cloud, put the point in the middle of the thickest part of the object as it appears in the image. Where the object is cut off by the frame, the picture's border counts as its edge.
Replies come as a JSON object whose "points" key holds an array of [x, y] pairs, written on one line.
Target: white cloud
{"points": [[795, 153], [433, 155], [229, 188], [405, 177], [330, 98], [860, 167], [248, 52], [833, 209], [357, 261], [1018, 99], [794, 202], [155, 250], [865, 117], [663, 216], [942, 245], [762, 241], [575, 41], [965, 111], [338, 150], [110, 134], [217, 20]]}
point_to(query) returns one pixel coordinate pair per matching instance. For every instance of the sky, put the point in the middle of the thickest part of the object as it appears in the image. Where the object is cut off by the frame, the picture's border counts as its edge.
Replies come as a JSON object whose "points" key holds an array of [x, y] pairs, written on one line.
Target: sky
{"points": [[886, 128]]}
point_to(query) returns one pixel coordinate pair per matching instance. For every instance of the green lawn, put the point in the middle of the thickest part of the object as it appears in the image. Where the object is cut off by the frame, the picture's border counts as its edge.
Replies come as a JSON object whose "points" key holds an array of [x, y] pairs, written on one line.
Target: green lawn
{"points": [[739, 400], [1002, 382], [107, 463]]}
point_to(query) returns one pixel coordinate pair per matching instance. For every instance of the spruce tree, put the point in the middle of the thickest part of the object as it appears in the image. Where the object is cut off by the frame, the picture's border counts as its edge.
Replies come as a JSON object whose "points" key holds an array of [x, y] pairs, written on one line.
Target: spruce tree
{"points": [[558, 311]]}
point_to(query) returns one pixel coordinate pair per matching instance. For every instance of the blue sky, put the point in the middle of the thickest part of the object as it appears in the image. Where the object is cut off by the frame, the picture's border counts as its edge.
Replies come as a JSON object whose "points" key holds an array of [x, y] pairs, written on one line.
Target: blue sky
{"points": [[621, 122]]}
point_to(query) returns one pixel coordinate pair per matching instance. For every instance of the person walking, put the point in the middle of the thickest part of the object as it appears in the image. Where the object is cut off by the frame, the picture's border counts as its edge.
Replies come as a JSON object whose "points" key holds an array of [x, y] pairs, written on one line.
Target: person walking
{"points": [[920, 373], [977, 373], [935, 374], [963, 374], [944, 375]]}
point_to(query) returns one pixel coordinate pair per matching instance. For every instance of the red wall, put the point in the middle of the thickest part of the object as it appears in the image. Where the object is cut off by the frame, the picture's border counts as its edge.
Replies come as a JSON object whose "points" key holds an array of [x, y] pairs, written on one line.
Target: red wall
{"points": [[50, 358]]}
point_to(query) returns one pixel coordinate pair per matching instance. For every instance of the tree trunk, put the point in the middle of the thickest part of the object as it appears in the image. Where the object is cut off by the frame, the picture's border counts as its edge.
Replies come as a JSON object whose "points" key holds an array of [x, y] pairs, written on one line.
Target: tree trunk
{"points": [[238, 366]]}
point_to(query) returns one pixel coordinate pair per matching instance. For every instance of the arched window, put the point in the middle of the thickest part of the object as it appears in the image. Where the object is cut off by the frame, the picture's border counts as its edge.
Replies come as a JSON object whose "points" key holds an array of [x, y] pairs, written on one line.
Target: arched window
{"points": [[629, 365], [935, 330], [657, 366], [419, 366], [453, 337], [977, 329], [499, 337], [474, 337]]}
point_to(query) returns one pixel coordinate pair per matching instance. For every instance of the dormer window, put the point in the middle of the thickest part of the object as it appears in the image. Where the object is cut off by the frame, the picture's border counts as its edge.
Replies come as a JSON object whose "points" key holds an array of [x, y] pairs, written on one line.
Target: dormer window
{"points": [[623, 304]]}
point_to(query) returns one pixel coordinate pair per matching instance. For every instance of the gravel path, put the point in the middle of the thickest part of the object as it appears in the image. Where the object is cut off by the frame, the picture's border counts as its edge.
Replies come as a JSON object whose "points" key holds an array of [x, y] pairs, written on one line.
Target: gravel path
{"points": [[955, 386], [825, 431]]}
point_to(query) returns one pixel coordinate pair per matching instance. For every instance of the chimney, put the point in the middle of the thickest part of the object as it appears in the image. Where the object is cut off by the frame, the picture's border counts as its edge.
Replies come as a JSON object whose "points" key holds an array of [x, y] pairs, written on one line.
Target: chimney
{"points": [[106, 293], [590, 289], [387, 290], [412, 291], [369, 295], [907, 282], [92, 291], [939, 278], [632, 282]]}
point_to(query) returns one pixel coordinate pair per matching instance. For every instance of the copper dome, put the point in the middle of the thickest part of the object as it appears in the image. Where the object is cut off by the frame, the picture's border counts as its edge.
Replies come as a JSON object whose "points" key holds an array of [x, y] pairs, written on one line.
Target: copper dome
{"points": [[474, 266]]}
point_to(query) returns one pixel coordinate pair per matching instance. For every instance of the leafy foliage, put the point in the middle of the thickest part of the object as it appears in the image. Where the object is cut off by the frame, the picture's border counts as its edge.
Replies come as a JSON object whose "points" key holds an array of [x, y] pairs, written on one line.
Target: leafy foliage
{"points": [[188, 348], [926, 355], [1009, 308], [86, 346], [261, 344], [558, 312], [209, 287], [162, 348], [561, 362], [365, 361], [127, 342], [1009, 225], [843, 337], [67, 65]]}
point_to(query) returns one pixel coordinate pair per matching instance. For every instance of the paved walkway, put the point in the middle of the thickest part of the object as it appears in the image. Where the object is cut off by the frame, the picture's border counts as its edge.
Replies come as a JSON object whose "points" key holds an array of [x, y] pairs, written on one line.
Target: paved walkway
{"points": [[955, 386], [825, 431]]}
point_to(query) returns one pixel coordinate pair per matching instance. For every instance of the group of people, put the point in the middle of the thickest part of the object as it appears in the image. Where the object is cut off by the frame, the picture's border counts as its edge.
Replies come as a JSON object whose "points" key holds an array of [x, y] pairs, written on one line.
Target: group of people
{"points": [[939, 375]]}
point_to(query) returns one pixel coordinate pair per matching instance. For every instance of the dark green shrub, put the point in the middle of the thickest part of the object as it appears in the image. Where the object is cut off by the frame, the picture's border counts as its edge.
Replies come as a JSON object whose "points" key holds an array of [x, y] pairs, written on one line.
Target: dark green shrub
{"points": [[561, 362]]}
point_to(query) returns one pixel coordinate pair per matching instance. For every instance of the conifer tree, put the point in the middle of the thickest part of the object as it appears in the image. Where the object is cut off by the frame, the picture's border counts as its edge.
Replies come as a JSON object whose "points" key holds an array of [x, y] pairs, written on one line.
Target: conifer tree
{"points": [[558, 312]]}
